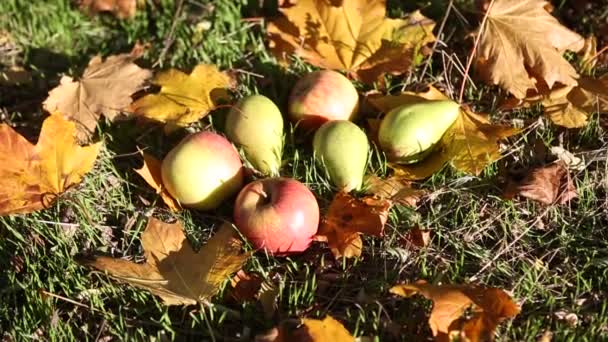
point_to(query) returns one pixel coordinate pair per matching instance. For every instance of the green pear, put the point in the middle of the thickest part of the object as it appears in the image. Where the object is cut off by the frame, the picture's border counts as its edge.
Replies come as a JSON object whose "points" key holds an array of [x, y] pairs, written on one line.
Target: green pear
{"points": [[408, 133], [256, 125], [341, 147]]}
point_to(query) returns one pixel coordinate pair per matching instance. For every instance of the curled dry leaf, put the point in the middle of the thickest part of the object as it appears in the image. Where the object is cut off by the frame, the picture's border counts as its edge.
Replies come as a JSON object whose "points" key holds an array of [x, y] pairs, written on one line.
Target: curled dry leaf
{"points": [[151, 173], [173, 270], [105, 88], [33, 176], [395, 189], [348, 218], [549, 185], [417, 237], [521, 44], [120, 8], [245, 286], [310, 330], [184, 99], [569, 107], [489, 307], [353, 36], [469, 145]]}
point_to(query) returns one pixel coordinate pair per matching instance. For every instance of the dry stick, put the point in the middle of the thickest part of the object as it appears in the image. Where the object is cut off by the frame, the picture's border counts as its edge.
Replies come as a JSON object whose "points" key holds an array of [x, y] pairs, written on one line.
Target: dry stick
{"points": [[472, 55], [441, 27], [169, 39]]}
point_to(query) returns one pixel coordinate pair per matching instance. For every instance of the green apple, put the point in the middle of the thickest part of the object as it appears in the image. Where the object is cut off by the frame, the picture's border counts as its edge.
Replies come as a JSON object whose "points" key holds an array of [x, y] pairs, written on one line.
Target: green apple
{"points": [[408, 133], [255, 123], [202, 171], [342, 147]]}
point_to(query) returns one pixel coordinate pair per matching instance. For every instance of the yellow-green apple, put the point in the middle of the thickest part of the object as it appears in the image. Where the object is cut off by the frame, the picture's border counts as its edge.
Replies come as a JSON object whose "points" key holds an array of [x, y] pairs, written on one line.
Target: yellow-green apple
{"points": [[322, 96], [256, 124], [408, 133], [202, 171], [280, 215], [341, 148]]}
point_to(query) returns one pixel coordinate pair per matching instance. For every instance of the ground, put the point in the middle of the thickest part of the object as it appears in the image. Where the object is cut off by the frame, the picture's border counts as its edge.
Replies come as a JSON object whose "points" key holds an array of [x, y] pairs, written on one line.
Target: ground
{"points": [[552, 259]]}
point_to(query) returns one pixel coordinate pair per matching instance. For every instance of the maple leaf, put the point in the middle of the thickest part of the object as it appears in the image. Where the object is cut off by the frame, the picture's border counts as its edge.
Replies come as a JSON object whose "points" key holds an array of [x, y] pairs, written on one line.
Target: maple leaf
{"points": [[395, 189], [104, 89], [489, 307], [470, 144], [347, 218], [309, 330], [33, 176], [173, 270], [120, 8], [151, 173], [549, 184], [353, 36], [569, 107], [184, 99], [522, 42]]}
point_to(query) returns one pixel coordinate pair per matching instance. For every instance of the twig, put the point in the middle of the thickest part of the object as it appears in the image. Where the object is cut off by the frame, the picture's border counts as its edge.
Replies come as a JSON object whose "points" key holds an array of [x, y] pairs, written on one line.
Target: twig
{"points": [[470, 60], [441, 27], [169, 38]]}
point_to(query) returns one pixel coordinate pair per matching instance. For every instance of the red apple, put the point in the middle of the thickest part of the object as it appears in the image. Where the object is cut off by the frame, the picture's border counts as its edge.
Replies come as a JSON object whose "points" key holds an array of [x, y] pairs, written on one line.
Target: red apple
{"points": [[322, 96], [280, 215], [202, 171]]}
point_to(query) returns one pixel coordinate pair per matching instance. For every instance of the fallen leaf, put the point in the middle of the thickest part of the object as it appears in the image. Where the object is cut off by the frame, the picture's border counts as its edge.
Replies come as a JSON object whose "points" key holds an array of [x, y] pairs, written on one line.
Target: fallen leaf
{"points": [[417, 237], [309, 330], [522, 42], [549, 184], [347, 218], [245, 286], [151, 173], [33, 176], [120, 8], [395, 189], [572, 162], [353, 36], [469, 145], [184, 99], [173, 270], [104, 89], [489, 307], [588, 53]]}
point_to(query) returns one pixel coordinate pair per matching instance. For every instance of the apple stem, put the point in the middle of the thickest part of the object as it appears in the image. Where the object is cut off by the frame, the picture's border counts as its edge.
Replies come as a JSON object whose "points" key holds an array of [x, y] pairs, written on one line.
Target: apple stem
{"points": [[263, 193]]}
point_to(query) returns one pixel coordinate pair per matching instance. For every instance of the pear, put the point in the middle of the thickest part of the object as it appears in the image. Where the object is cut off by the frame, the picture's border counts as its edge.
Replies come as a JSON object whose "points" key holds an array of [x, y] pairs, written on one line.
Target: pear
{"points": [[341, 147], [255, 124], [408, 133]]}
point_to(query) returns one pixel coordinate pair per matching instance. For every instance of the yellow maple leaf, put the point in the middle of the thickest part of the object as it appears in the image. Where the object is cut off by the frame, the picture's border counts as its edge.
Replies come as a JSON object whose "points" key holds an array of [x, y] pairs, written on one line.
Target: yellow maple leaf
{"points": [[32, 176], [105, 88], [173, 270], [151, 173], [353, 36], [489, 307], [470, 144], [184, 99], [522, 42]]}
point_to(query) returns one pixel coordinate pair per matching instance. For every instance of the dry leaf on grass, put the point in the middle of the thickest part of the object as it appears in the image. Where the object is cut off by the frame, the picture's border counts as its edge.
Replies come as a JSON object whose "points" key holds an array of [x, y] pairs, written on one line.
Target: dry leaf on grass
{"points": [[395, 189], [549, 185], [353, 36], [469, 145], [417, 237], [522, 43], [569, 107], [120, 8], [310, 330], [32, 176], [184, 99], [347, 218], [173, 270], [245, 286], [489, 307], [151, 173], [105, 89]]}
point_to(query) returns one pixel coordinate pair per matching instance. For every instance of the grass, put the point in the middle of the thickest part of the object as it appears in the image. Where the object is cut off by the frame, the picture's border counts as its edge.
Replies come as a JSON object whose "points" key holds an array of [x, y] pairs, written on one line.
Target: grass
{"points": [[554, 260]]}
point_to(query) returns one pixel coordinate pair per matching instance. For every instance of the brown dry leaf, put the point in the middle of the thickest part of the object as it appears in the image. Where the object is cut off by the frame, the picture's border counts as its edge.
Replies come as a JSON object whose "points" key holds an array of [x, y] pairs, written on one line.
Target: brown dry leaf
{"points": [[150, 172], [353, 36], [184, 99], [245, 286], [469, 145], [417, 237], [489, 307], [120, 8], [522, 43], [173, 270], [105, 88], [549, 184], [347, 218], [588, 59], [33, 176], [310, 330], [395, 189]]}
